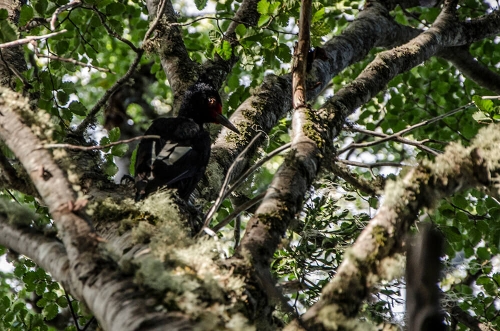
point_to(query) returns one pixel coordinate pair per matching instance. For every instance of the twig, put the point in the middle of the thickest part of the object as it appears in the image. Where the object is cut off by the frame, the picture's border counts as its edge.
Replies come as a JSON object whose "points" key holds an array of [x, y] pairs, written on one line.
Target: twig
{"points": [[395, 137], [63, 59], [73, 314], [224, 189], [113, 33], [229, 19], [161, 8], [89, 148], [247, 173], [408, 129], [31, 38], [256, 166], [372, 165], [371, 187], [238, 210], [59, 10]]}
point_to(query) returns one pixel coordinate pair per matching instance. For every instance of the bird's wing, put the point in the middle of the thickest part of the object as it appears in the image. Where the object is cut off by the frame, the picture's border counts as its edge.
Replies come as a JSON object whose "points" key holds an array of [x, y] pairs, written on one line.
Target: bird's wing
{"points": [[176, 156]]}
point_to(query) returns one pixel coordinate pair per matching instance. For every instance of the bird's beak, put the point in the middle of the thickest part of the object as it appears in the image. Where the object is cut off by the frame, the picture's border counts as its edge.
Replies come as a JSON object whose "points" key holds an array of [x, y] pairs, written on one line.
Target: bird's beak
{"points": [[224, 121]]}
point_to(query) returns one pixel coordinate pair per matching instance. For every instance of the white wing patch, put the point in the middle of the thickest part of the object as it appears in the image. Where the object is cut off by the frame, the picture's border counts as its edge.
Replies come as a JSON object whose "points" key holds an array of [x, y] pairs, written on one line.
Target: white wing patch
{"points": [[172, 153], [153, 154]]}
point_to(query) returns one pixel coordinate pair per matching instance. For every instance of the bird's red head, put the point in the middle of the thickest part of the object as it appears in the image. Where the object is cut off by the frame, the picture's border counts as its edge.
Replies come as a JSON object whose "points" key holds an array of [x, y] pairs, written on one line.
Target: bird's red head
{"points": [[203, 104], [215, 108]]}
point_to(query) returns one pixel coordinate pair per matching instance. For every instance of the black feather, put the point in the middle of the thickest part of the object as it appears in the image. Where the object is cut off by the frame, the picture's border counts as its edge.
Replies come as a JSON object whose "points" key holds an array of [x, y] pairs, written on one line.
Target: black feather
{"points": [[179, 159]]}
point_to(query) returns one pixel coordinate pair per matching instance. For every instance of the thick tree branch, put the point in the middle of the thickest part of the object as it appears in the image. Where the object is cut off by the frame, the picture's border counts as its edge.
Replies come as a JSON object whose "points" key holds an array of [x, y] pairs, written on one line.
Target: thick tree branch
{"points": [[181, 71], [115, 299], [216, 71], [376, 28], [14, 179], [468, 320], [282, 202], [458, 169], [258, 243], [423, 272], [472, 68], [272, 100], [47, 252]]}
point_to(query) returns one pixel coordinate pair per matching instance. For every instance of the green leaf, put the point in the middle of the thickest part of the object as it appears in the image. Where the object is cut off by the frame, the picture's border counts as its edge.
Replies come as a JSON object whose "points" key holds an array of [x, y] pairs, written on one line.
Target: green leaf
{"points": [[114, 134], [4, 14], [7, 32], [63, 97], [483, 253], [42, 302], [241, 30], [263, 19], [483, 105], [483, 280], [62, 302], [110, 169], [263, 7], [200, 4], [104, 141], [452, 233], [119, 150], [273, 7], [115, 8], [26, 15], [40, 288], [29, 277], [318, 16], [61, 47], [284, 53], [116, 25], [18, 306], [50, 311], [68, 87], [460, 201], [8, 318], [77, 108], [225, 51], [20, 270], [41, 7], [95, 21]]}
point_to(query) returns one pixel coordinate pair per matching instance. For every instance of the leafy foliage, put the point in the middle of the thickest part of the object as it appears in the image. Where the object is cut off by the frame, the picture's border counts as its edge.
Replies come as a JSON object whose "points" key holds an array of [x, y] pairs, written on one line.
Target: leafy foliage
{"points": [[95, 52]]}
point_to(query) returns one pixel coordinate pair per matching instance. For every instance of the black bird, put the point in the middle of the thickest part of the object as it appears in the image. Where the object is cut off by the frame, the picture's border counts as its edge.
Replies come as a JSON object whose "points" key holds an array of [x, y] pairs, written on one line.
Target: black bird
{"points": [[179, 159]]}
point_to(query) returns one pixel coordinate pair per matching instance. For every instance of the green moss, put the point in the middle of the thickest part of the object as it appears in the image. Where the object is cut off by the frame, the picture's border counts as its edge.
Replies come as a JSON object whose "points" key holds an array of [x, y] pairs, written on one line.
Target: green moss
{"points": [[333, 319], [269, 218], [109, 210], [16, 213], [311, 130], [215, 177], [181, 271], [312, 133], [380, 235]]}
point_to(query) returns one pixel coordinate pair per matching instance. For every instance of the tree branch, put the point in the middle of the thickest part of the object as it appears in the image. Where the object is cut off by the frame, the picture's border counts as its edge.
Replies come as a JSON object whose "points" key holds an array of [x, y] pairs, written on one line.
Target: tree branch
{"points": [[264, 230], [458, 169], [29, 39], [47, 252], [472, 68], [90, 148], [272, 100], [181, 71], [116, 301]]}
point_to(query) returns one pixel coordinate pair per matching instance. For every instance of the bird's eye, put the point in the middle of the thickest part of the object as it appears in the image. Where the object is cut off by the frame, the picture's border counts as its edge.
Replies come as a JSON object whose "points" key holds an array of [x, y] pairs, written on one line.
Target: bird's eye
{"points": [[212, 101]]}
